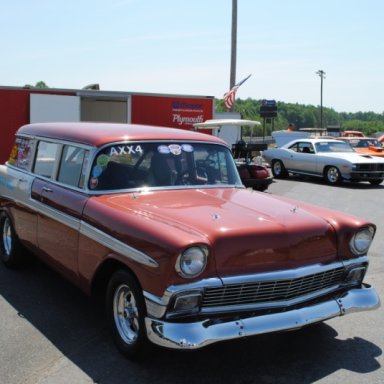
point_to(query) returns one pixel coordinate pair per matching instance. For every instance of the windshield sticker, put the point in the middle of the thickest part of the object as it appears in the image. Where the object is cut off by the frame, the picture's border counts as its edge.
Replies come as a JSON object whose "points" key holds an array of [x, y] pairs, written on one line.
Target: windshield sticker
{"points": [[163, 149], [121, 150], [24, 155], [97, 170], [93, 182], [175, 149], [13, 156], [102, 160], [187, 148]]}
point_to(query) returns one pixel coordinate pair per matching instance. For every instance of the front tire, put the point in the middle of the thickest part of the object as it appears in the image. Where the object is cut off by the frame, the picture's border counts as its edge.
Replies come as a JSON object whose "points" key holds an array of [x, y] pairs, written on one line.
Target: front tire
{"points": [[11, 251], [278, 169], [126, 313], [376, 181], [332, 175]]}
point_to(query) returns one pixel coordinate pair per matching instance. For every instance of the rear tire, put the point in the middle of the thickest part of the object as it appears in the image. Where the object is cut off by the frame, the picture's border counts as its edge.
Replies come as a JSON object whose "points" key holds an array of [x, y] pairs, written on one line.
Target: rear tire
{"points": [[278, 170], [376, 182], [126, 313], [332, 175], [12, 253]]}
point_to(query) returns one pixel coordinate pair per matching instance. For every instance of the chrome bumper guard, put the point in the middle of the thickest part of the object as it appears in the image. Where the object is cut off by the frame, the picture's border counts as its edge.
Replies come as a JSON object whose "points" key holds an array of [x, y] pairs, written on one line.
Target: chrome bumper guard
{"points": [[200, 334]]}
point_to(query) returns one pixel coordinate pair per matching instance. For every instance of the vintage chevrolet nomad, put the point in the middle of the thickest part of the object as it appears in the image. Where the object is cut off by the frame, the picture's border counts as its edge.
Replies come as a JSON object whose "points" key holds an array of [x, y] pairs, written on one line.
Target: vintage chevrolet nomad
{"points": [[158, 221]]}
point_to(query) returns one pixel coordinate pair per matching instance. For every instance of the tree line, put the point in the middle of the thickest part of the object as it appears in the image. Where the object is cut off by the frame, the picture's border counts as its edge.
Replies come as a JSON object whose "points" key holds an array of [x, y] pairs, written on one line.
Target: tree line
{"points": [[308, 116]]}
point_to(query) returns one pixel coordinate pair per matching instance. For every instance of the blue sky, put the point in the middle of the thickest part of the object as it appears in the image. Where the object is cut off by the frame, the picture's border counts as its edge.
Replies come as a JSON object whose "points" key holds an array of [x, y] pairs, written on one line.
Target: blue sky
{"points": [[183, 47]]}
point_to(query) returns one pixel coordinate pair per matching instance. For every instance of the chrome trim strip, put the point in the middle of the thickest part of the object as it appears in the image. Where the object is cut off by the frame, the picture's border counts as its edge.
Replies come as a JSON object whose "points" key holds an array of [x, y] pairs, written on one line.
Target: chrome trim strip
{"points": [[54, 214], [116, 245], [147, 189], [90, 232], [197, 285], [293, 273], [196, 335]]}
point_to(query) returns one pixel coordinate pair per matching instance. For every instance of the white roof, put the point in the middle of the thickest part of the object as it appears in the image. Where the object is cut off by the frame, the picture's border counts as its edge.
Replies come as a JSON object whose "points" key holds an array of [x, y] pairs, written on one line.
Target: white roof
{"points": [[218, 123]]}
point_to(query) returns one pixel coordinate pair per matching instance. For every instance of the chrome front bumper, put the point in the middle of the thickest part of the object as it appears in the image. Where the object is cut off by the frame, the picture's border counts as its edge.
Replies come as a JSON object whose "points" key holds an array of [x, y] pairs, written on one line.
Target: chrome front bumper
{"points": [[200, 334]]}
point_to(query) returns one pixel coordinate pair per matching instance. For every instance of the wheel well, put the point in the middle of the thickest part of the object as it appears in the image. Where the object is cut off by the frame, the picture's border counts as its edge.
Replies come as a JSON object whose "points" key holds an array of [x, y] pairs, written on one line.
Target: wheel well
{"points": [[277, 160], [104, 273]]}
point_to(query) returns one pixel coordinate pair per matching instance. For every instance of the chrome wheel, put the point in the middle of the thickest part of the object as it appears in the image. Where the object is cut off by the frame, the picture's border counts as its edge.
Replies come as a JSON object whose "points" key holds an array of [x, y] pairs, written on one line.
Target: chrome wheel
{"points": [[12, 254], [7, 237], [278, 170], [126, 314], [332, 175]]}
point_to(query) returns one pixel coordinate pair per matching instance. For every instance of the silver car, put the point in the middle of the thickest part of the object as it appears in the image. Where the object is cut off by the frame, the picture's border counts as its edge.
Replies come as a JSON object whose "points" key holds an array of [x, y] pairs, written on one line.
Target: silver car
{"points": [[333, 160]]}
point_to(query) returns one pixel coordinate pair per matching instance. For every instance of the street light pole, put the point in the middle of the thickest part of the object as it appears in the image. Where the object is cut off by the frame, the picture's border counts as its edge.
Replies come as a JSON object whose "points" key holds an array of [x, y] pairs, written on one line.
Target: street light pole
{"points": [[321, 73], [232, 80]]}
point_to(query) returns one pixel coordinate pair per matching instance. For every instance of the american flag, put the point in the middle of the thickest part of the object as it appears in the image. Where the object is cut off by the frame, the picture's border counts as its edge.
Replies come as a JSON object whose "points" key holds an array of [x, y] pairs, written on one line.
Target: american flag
{"points": [[229, 97]]}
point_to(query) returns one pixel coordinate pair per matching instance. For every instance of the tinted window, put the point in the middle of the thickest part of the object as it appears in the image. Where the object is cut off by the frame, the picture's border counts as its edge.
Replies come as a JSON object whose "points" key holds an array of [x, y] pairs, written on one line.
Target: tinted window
{"points": [[138, 165], [72, 166], [45, 159]]}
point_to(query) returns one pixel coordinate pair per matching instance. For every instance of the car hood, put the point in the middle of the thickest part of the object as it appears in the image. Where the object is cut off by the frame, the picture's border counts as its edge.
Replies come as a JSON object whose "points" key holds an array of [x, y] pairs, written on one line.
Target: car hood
{"points": [[246, 231]]}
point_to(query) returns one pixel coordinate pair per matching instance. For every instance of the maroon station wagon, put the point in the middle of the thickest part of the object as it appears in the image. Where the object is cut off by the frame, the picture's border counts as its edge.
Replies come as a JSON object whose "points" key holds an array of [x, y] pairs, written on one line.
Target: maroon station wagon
{"points": [[158, 221]]}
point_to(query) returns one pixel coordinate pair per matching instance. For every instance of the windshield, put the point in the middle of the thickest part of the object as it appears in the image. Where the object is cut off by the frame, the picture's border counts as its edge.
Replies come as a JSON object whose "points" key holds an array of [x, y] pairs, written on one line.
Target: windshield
{"points": [[364, 143], [333, 146], [162, 164]]}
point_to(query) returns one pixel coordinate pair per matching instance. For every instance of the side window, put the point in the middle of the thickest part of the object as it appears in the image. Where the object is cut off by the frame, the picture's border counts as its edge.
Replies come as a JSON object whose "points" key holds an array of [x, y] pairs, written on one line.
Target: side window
{"points": [[294, 147], [72, 166], [305, 148], [22, 152], [45, 159]]}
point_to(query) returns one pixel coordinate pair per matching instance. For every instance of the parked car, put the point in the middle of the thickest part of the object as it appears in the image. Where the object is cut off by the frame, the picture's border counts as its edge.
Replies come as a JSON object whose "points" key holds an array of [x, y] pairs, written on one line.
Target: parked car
{"points": [[253, 174], [158, 221], [333, 160], [365, 145], [352, 134]]}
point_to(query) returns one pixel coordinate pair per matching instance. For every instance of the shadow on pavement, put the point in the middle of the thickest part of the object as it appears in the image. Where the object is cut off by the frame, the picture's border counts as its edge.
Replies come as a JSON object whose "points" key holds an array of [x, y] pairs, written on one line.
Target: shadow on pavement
{"points": [[75, 325]]}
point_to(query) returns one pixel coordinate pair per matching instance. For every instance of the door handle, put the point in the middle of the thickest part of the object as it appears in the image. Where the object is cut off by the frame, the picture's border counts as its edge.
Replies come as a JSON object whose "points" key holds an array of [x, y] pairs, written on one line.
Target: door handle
{"points": [[46, 189]]}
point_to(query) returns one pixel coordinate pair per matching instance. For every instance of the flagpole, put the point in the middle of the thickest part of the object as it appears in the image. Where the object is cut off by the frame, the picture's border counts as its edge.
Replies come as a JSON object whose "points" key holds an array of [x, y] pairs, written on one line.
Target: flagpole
{"points": [[232, 80]]}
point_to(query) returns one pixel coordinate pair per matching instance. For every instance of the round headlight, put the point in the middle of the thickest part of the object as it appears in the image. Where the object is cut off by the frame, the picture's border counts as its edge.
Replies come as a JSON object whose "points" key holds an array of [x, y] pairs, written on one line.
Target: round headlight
{"points": [[362, 240], [192, 261]]}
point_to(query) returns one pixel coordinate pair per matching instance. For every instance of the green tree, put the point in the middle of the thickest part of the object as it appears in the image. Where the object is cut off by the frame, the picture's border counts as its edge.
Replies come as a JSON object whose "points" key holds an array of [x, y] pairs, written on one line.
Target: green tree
{"points": [[39, 84], [308, 116]]}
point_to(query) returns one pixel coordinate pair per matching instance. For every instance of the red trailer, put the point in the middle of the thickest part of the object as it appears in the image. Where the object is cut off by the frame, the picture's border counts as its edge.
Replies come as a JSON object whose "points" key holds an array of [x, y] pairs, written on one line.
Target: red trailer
{"points": [[19, 106]]}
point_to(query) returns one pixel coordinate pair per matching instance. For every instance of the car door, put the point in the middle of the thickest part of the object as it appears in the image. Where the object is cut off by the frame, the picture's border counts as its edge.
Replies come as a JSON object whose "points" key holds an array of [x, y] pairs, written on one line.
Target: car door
{"points": [[58, 191], [302, 158]]}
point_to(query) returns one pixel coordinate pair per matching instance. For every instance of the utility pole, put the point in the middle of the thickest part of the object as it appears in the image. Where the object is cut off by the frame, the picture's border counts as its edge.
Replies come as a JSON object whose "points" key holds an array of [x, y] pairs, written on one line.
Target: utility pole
{"points": [[232, 80], [321, 73]]}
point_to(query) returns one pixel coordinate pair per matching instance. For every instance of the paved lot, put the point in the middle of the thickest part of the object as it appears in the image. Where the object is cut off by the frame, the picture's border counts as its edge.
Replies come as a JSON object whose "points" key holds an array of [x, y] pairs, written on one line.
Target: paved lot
{"points": [[50, 333]]}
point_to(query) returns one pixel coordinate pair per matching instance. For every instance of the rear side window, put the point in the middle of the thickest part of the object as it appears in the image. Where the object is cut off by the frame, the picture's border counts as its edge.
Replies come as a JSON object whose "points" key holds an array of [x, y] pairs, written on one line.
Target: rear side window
{"points": [[72, 166], [22, 152], [45, 159]]}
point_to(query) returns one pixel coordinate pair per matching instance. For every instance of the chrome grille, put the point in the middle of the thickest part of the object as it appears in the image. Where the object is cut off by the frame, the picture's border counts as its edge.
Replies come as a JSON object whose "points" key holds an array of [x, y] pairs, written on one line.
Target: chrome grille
{"points": [[270, 291]]}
